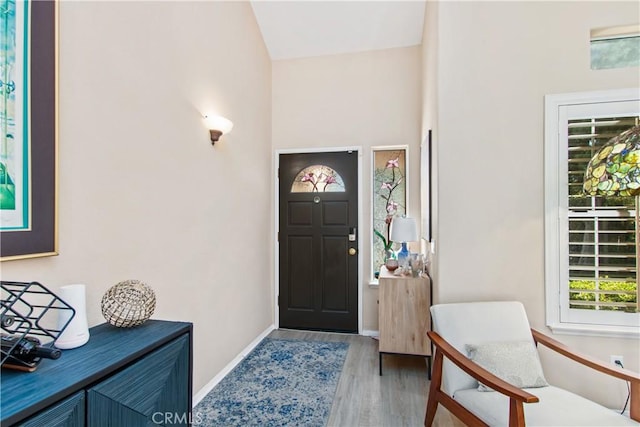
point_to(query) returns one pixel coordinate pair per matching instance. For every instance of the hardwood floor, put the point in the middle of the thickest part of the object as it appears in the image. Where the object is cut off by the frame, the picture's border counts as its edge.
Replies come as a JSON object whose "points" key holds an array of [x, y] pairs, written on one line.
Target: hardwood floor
{"points": [[364, 398]]}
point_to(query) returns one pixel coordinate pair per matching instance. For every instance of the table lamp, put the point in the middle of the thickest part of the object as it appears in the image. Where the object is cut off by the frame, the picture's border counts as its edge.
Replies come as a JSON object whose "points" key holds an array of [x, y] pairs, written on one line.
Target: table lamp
{"points": [[403, 229]]}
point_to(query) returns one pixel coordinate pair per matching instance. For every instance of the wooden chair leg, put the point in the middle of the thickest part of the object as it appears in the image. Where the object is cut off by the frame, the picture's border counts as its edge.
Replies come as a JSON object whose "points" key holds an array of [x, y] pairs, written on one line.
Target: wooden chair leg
{"points": [[434, 389], [635, 401], [516, 413]]}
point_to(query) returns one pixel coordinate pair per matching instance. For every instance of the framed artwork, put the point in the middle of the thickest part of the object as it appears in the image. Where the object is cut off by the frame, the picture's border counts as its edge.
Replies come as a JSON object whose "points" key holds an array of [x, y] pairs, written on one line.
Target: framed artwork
{"points": [[28, 117], [426, 169]]}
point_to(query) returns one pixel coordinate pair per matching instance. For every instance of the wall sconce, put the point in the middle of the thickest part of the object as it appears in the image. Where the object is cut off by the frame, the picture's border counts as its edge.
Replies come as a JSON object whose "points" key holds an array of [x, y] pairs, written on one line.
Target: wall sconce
{"points": [[218, 126]]}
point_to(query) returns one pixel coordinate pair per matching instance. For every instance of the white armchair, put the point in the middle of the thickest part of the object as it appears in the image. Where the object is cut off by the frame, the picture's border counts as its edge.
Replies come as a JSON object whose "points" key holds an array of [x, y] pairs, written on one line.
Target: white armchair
{"points": [[496, 334]]}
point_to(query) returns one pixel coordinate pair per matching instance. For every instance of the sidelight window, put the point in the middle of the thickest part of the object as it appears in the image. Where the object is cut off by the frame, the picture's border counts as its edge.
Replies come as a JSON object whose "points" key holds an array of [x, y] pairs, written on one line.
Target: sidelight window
{"points": [[389, 198]]}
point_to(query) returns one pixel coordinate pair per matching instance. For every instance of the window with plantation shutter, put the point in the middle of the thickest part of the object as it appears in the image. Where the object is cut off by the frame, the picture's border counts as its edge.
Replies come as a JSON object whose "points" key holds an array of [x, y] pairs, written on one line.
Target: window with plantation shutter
{"points": [[602, 247], [591, 270]]}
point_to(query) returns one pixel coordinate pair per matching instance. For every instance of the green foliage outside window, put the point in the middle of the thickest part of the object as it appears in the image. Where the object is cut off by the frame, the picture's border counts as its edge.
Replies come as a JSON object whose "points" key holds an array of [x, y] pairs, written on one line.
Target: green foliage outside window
{"points": [[628, 295]]}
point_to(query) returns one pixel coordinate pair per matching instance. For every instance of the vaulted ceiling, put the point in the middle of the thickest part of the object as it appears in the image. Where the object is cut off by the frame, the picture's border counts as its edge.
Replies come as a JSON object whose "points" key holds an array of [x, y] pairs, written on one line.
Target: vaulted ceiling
{"points": [[298, 29]]}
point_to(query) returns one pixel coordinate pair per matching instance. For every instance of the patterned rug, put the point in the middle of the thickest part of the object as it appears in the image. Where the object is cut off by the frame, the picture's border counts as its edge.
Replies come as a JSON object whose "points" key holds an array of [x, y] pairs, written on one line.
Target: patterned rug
{"points": [[280, 383]]}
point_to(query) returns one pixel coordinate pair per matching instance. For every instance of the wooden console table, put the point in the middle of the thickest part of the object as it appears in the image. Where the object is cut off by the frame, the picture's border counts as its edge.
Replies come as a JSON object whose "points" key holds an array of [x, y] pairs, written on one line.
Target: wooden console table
{"points": [[403, 315]]}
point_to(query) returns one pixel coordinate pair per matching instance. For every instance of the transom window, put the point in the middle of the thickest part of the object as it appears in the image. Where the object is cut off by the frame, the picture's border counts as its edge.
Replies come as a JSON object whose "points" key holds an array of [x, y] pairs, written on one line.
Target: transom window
{"points": [[615, 47], [317, 179]]}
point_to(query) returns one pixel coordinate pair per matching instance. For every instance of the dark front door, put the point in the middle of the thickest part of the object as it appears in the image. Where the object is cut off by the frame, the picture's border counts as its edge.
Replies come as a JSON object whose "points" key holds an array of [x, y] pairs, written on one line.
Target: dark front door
{"points": [[318, 287]]}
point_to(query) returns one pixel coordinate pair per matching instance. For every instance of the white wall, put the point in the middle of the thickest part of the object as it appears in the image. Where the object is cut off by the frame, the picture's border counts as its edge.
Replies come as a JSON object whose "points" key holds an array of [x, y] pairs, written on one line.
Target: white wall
{"points": [[495, 63], [142, 192], [364, 99]]}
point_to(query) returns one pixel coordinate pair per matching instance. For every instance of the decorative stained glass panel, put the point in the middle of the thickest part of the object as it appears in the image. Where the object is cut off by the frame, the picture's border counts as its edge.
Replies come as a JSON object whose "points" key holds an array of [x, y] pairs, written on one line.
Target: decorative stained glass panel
{"points": [[317, 179], [389, 198]]}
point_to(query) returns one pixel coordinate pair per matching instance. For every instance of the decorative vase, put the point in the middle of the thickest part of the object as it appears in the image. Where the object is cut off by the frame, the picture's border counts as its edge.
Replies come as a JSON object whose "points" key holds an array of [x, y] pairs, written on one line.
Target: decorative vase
{"points": [[389, 254], [417, 265]]}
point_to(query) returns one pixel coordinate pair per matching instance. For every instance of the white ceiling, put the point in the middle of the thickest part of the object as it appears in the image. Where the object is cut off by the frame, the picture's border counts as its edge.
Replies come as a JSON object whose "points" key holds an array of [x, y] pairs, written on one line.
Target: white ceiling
{"points": [[297, 29]]}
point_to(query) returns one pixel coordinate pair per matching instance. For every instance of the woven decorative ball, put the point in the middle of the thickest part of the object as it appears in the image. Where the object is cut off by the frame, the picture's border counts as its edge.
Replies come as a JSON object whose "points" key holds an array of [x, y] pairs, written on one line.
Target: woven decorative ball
{"points": [[129, 303]]}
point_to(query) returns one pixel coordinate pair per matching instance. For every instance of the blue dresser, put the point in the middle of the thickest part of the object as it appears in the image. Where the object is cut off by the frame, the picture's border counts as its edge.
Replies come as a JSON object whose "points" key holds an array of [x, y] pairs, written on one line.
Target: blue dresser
{"points": [[122, 377]]}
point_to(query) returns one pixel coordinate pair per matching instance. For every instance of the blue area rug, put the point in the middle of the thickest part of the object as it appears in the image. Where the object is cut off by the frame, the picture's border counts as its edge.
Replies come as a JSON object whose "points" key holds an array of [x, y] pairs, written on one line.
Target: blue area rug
{"points": [[280, 383]]}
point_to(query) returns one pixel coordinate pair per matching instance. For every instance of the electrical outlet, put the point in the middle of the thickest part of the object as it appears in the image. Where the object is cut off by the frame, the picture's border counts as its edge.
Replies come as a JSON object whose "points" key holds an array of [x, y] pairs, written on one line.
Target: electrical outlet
{"points": [[615, 359]]}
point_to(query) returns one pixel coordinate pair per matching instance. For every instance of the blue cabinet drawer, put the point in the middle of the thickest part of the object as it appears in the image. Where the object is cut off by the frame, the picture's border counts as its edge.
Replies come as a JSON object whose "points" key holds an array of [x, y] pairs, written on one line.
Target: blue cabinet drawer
{"points": [[146, 391], [68, 413]]}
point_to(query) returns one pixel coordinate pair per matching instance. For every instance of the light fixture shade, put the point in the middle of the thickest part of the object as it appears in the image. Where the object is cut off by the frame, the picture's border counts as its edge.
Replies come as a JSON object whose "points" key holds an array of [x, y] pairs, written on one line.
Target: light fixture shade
{"points": [[404, 229], [615, 169], [219, 123]]}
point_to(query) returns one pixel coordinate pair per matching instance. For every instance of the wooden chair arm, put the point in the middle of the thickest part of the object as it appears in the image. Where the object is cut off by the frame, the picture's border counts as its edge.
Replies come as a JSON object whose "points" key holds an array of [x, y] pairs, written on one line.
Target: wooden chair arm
{"points": [[478, 372], [557, 346]]}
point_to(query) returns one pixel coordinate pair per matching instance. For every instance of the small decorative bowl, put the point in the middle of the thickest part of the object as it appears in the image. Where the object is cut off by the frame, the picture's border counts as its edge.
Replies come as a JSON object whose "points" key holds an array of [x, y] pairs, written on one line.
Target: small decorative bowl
{"points": [[391, 264]]}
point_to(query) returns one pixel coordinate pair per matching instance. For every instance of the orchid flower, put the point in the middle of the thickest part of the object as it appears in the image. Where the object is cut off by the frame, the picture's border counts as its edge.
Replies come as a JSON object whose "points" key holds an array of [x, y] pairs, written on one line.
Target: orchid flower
{"points": [[330, 179], [308, 177], [393, 163]]}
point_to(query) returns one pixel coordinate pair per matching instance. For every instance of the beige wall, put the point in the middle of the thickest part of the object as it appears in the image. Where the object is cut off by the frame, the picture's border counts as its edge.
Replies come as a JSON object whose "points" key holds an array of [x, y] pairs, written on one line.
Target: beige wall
{"points": [[495, 63], [364, 99], [142, 192], [430, 122]]}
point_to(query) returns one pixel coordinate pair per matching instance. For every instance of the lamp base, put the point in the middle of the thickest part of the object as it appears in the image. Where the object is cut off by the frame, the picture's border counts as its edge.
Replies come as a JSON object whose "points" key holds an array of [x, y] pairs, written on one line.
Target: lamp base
{"points": [[403, 254]]}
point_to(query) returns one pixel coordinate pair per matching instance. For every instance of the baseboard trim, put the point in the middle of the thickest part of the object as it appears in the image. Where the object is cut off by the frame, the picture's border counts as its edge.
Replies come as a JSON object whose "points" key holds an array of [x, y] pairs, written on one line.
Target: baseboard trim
{"points": [[223, 373], [368, 333]]}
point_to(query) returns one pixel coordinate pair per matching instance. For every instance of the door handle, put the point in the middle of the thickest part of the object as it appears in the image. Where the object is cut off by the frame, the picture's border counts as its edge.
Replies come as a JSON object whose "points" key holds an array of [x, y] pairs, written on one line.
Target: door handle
{"points": [[352, 251]]}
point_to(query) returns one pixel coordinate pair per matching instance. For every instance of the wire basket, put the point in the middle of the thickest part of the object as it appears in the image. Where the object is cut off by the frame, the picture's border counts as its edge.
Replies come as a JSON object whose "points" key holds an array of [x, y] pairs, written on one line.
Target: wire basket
{"points": [[29, 309], [129, 303]]}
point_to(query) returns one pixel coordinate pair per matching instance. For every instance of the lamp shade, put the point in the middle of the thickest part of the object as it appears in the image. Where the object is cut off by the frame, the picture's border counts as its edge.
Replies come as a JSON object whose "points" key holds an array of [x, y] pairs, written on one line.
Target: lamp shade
{"points": [[404, 230], [219, 123], [615, 169]]}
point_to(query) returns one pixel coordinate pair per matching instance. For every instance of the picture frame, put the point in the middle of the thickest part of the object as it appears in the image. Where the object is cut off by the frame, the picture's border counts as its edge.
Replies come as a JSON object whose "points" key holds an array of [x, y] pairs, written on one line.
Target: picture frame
{"points": [[39, 236], [426, 187]]}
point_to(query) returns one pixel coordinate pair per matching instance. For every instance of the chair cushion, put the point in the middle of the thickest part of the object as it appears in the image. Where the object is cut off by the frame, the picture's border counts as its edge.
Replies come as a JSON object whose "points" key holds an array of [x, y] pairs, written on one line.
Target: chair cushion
{"points": [[476, 322], [557, 407], [516, 362]]}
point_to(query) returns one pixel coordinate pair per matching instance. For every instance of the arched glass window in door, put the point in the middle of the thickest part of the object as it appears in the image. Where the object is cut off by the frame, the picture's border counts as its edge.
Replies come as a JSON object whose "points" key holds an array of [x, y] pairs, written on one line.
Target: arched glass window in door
{"points": [[318, 179]]}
